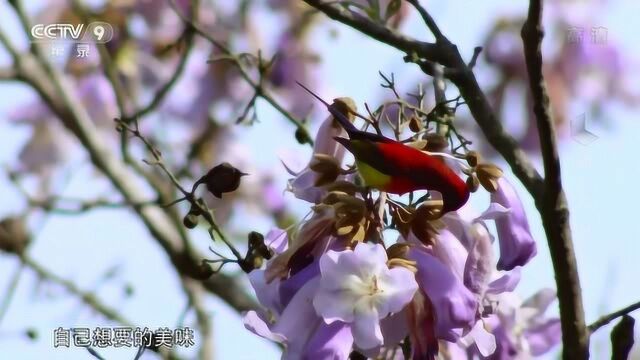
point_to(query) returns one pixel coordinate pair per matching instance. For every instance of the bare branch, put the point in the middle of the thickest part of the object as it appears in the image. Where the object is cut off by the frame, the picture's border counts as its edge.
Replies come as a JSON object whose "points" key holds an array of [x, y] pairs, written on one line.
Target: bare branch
{"points": [[604, 320], [52, 86], [553, 204], [258, 88]]}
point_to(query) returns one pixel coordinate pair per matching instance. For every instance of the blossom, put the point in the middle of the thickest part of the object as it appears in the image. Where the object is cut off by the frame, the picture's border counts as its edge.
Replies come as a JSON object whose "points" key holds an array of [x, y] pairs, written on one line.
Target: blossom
{"points": [[517, 246], [304, 184], [357, 288]]}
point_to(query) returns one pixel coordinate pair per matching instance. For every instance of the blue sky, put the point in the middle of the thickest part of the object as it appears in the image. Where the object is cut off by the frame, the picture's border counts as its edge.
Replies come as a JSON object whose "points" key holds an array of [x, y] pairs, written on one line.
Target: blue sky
{"points": [[600, 181]]}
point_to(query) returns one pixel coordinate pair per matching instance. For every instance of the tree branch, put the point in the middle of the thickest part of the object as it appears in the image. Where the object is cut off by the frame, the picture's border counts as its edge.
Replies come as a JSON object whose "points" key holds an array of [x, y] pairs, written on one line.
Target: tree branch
{"points": [[604, 320], [53, 88], [445, 53], [553, 204]]}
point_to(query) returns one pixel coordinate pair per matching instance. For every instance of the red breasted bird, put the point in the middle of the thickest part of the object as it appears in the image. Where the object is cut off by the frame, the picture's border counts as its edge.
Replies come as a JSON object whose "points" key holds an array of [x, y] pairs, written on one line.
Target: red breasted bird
{"points": [[393, 167]]}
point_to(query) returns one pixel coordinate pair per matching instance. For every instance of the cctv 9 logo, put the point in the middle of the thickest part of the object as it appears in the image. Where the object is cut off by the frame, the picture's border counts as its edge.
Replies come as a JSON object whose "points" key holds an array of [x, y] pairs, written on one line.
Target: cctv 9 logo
{"points": [[97, 31]]}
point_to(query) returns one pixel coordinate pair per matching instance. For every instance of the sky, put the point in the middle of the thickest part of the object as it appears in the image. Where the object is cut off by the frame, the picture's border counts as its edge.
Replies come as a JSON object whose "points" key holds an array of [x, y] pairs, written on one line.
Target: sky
{"points": [[600, 181]]}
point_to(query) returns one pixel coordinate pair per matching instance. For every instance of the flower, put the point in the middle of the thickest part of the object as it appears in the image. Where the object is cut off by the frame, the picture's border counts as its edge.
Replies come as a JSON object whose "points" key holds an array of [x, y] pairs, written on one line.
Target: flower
{"points": [[357, 288], [517, 246], [303, 185]]}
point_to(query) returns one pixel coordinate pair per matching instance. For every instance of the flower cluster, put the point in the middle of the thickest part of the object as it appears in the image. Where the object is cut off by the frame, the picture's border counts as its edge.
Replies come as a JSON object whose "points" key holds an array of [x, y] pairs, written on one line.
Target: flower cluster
{"points": [[339, 284]]}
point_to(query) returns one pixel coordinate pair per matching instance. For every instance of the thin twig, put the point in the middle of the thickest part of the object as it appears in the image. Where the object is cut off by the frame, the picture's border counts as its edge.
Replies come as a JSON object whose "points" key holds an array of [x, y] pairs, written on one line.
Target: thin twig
{"points": [[259, 90], [604, 320]]}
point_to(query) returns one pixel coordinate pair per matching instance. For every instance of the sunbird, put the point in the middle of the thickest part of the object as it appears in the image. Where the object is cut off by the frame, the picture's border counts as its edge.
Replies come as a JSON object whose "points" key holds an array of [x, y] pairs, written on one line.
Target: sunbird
{"points": [[393, 167]]}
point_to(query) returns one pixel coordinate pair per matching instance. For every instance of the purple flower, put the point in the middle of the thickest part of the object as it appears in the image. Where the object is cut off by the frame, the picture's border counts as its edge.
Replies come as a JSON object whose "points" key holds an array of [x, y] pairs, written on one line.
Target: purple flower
{"points": [[480, 264], [303, 185], [357, 288], [454, 306], [517, 246], [522, 330]]}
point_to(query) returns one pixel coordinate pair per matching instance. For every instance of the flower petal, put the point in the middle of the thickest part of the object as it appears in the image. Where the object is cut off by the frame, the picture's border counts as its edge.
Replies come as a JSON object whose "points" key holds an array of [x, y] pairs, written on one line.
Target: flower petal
{"points": [[333, 341], [543, 337], [507, 282], [267, 293], [296, 319], [454, 305], [479, 266], [517, 246], [254, 323], [277, 240], [399, 285], [366, 330]]}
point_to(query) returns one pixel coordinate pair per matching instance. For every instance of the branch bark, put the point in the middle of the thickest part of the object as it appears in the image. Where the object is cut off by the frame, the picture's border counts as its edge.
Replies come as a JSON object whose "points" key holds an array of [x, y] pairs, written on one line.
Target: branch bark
{"points": [[553, 205], [446, 53], [614, 315], [53, 88], [548, 193]]}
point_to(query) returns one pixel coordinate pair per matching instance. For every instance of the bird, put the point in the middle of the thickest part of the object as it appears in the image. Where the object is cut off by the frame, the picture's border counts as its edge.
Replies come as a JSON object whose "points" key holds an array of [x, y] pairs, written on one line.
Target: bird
{"points": [[393, 167]]}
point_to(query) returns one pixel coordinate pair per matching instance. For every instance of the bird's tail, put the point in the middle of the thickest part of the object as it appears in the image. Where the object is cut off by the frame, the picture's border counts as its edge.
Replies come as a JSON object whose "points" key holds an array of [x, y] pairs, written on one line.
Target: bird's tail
{"points": [[337, 114]]}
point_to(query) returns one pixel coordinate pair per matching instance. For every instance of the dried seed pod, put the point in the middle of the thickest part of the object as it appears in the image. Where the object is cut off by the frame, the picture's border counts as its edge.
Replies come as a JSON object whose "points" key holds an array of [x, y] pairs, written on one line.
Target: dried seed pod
{"points": [[415, 124], [488, 175], [473, 183], [419, 144], [489, 170], [327, 168], [190, 221], [302, 137], [436, 142], [343, 186], [221, 179], [472, 158], [407, 264], [398, 250], [14, 236], [346, 106], [430, 210]]}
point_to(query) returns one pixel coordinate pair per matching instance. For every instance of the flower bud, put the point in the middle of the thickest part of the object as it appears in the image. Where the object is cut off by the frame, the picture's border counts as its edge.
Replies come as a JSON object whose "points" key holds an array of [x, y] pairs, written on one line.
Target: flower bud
{"points": [[221, 179]]}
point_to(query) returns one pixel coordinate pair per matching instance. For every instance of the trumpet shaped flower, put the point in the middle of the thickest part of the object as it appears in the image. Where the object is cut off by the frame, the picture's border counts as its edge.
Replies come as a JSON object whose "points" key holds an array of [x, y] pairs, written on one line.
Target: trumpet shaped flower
{"points": [[358, 288]]}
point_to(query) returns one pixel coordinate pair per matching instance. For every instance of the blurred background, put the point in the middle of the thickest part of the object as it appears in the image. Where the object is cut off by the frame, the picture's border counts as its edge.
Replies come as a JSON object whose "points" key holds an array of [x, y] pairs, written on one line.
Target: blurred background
{"points": [[87, 240]]}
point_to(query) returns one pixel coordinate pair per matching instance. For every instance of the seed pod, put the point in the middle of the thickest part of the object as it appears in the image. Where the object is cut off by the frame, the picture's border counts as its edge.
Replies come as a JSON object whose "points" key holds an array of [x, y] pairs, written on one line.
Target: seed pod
{"points": [[473, 183], [255, 239], [14, 237], [430, 210], [436, 142], [327, 168], [472, 158], [415, 124], [221, 179], [488, 175], [398, 250], [302, 137], [190, 221], [346, 106]]}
